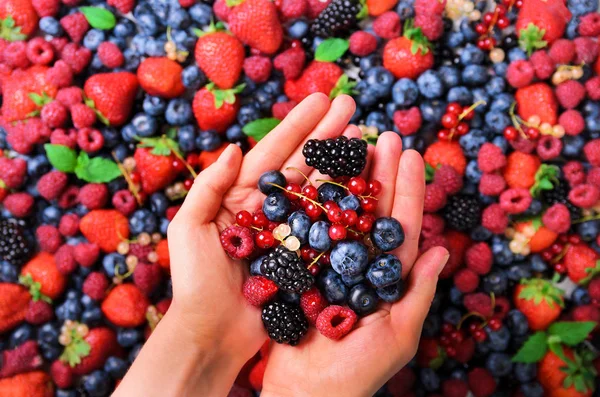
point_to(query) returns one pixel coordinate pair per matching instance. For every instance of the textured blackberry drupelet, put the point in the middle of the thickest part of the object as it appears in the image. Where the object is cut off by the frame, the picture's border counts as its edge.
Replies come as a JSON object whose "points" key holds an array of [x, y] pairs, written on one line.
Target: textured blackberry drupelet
{"points": [[336, 157], [337, 18], [14, 246], [462, 212], [285, 269], [560, 194], [284, 322]]}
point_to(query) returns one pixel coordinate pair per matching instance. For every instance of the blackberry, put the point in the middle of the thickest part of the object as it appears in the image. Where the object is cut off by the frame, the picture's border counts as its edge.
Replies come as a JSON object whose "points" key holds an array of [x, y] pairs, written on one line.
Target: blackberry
{"points": [[284, 322], [15, 248], [560, 194], [336, 157], [462, 212], [338, 18], [285, 269]]}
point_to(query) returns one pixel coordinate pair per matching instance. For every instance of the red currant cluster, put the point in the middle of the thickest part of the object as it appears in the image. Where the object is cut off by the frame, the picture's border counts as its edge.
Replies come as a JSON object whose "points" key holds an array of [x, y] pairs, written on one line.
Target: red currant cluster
{"points": [[555, 253], [526, 129], [455, 120], [492, 19]]}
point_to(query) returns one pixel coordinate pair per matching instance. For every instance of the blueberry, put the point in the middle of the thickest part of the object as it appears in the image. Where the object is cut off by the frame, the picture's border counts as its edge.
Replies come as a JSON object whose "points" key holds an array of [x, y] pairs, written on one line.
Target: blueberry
{"points": [[20, 335], [387, 234], [124, 28], [429, 379], [299, 222], [380, 80], [580, 296], [474, 75], [495, 282], [452, 316], [178, 19], [498, 340], [318, 236], [276, 207], [533, 389], [92, 316], [97, 384], [255, 266], [405, 9], [370, 61], [127, 337], [525, 372], [460, 94], [588, 230], [270, 178], [164, 226], [518, 271], [495, 86], [353, 280], [192, 77], [93, 38], [471, 143], [70, 310], [66, 393], [349, 258], [247, 114], [330, 192], [499, 364], [147, 23], [116, 367], [38, 166], [331, 285], [582, 7], [51, 352], [432, 111], [289, 297], [472, 55], [186, 137], [51, 26], [450, 76], [454, 39], [235, 133], [517, 323], [144, 125], [405, 92], [467, 30], [298, 29], [179, 112], [132, 60], [133, 353], [391, 293], [114, 263], [155, 47], [350, 202], [573, 145], [430, 84], [201, 13], [362, 299], [159, 203], [48, 334], [516, 54], [143, 221], [208, 141]]}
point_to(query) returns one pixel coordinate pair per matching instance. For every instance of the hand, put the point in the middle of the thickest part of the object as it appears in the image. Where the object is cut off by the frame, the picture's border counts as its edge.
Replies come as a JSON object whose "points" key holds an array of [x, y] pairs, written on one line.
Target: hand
{"points": [[383, 342]]}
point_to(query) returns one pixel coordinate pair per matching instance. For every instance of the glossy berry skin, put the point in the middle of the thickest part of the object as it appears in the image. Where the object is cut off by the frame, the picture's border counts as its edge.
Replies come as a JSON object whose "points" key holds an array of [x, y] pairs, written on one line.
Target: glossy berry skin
{"points": [[300, 224], [276, 207], [384, 271], [270, 178], [333, 288], [318, 236], [362, 300], [387, 234], [349, 258], [391, 293], [337, 232]]}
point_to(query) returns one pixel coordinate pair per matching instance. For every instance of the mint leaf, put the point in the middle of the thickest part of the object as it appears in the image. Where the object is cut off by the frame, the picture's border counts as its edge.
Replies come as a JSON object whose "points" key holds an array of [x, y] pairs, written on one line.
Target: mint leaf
{"points": [[331, 50], [572, 332], [533, 350], [96, 170], [61, 157], [99, 18], [81, 168], [258, 129]]}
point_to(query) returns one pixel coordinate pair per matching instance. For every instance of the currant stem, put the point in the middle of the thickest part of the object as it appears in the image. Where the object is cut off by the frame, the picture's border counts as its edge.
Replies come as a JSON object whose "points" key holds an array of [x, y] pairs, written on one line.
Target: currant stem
{"points": [[301, 173], [586, 219], [132, 187], [180, 157], [299, 195], [471, 108], [345, 187], [314, 261]]}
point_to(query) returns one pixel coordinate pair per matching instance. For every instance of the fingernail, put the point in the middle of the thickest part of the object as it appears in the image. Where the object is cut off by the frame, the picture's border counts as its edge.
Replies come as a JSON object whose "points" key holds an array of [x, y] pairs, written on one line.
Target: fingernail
{"points": [[443, 262], [227, 153]]}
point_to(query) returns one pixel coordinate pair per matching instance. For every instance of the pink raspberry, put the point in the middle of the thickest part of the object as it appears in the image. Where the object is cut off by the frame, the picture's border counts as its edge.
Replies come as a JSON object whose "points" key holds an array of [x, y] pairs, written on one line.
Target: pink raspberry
{"points": [[557, 218], [592, 86], [58, 43], [62, 374], [520, 73], [90, 140], [76, 57], [589, 24], [562, 51], [586, 50], [492, 184], [293, 9], [259, 290], [63, 137], [258, 68], [429, 7], [95, 286], [76, 25], [315, 7], [126, 6], [312, 304], [592, 152], [434, 241], [69, 225], [110, 55], [54, 114], [432, 26], [48, 238], [46, 8], [408, 121], [435, 198], [19, 204], [466, 281], [93, 195], [82, 115], [523, 145], [490, 158], [572, 121], [124, 202], [68, 198], [13, 172], [593, 176], [594, 289], [455, 388], [543, 64], [15, 55], [570, 93], [281, 109], [237, 241], [447, 177], [584, 195], [362, 43], [387, 25], [515, 201], [479, 303], [221, 10], [479, 258], [494, 219], [38, 312], [290, 62], [335, 322], [35, 131], [86, 254], [549, 147], [432, 225], [39, 51], [147, 277], [52, 184], [69, 96], [574, 173]]}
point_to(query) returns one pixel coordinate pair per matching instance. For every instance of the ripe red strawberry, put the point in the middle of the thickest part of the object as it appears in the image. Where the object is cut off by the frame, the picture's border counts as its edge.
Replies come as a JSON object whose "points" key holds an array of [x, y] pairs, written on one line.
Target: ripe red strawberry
{"points": [[18, 103], [581, 262], [446, 153], [409, 55], [162, 250], [29, 384], [540, 302], [378, 7], [102, 343], [156, 171], [537, 99], [112, 95], [42, 269], [220, 55], [430, 353], [22, 13], [551, 16], [553, 371], [14, 302], [106, 228], [259, 290], [256, 23], [520, 170], [317, 77], [216, 109], [161, 76], [126, 306]]}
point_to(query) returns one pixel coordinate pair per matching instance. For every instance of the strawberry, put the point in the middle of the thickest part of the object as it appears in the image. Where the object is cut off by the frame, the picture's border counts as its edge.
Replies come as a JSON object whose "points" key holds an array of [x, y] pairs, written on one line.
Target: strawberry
{"points": [[216, 109], [162, 250], [537, 99], [156, 171], [520, 170], [126, 306], [22, 14], [205, 159], [541, 240], [581, 262], [88, 352], [378, 7], [112, 95], [44, 277], [30, 384], [14, 301], [106, 228], [256, 23], [569, 376], [408, 55], [220, 55], [161, 77], [22, 89], [317, 77], [540, 301], [430, 354], [550, 16], [446, 153]]}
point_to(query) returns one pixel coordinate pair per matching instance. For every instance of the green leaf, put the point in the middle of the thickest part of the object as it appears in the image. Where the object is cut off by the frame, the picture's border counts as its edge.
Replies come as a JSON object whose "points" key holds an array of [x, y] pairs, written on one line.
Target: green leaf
{"points": [[96, 170], [224, 96], [419, 40], [99, 18], [429, 172], [532, 38], [331, 50], [364, 10], [572, 332], [35, 288], [77, 349], [36, 98], [533, 350], [162, 146], [342, 86], [10, 32], [258, 129], [61, 157]]}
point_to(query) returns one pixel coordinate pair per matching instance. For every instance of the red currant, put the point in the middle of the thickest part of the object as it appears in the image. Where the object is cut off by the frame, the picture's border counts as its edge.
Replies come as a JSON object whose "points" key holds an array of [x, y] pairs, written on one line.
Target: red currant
{"points": [[272, 225], [479, 336], [324, 259], [445, 340], [337, 232], [365, 223], [260, 220], [192, 159], [556, 249], [357, 186], [449, 120], [178, 165], [334, 214], [481, 28], [310, 191], [374, 188], [352, 235], [495, 324], [314, 269], [308, 254], [510, 133], [560, 268], [575, 239], [454, 107], [503, 22], [450, 351], [468, 115], [457, 336], [488, 17], [243, 218], [532, 133], [547, 256], [135, 177], [462, 128], [264, 239], [500, 10], [349, 217], [329, 204], [312, 210], [187, 184], [369, 204], [444, 135], [295, 188], [447, 328]]}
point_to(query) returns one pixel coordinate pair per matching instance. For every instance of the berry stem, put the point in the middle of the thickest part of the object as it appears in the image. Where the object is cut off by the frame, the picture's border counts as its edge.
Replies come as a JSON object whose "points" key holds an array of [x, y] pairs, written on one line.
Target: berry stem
{"points": [[180, 157], [314, 261], [343, 186], [299, 195], [586, 219], [301, 173], [471, 108], [132, 187]]}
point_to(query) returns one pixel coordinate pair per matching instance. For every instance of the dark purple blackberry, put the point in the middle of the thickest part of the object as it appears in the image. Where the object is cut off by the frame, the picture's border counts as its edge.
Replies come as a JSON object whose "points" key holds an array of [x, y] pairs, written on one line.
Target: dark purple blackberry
{"points": [[462, 212], [338, 18], [284, 322], [286, 269], [559, 195], [336, 157], [15, 248]]}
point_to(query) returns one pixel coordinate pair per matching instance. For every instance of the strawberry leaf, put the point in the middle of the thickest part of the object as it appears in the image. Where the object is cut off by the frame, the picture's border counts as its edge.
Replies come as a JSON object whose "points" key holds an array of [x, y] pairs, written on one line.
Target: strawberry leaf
{"points": [[343, 86], [532, 38], [364, 10], [591, 272], [99, 18], [546, 178], [90, 103], [10, 32], [224, 96], [533, 350], [331, 50], [61, 157], [258, 129], [162, 146], [77, 349], [35, 288], [572, 332], [419, 40], [429, 172]]}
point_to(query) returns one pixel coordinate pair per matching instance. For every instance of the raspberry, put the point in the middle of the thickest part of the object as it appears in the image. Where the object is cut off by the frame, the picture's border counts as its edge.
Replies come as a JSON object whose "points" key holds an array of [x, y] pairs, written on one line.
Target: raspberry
{"points": [[589, 24], [82, 115], [586, 50], [163, 305], [557, 218], [549, 147], [62, 375], [39, 51], [38, 313], [594, 289], [584, 195], [293, 9], [562, 51], [490, 158], [259, 290], [221, 10], [362, 43], [126, 6], [435, 198], [315, 7], [543, 64], [494, 219], [95, 285], [110, 55], [147, 277], [466, 280], [572, 121], [592, 152], [69, 96], [13, 172], [335, 321], [593, 176], [402, 383], [46, 8], [93, 195], [52, 184], [17, 140], [15, 55], [432, 225], [447, 177], [76, 57], [479, 303], [65, 261], [258, 68], [237, 241], [479, 258], [86, 254], [124, 202], [65, 138], [387, 25], [54, 114], [432, 26], [491, 184], [58, 43], [69, 225], [455, 388], [592, 87], [68, 198], [312, 303], [523, 145], [408, 121], [481, 382], [574, 173], [429, 7], [434, 241], [76, 25], [23, 358], [290, 62], [140, 251], [570, 93], [281, 109], [35, 131], [48, 238], [19, 204], [90, 140], [520, 73], [587, 313]]}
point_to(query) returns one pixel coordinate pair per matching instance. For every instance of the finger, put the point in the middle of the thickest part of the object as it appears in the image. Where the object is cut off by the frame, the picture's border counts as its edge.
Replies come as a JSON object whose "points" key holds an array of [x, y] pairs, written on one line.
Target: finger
{"points": [[332, 125], [350, 132], [279, 144], [408, 205], [204, 198], [385, 169]]}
